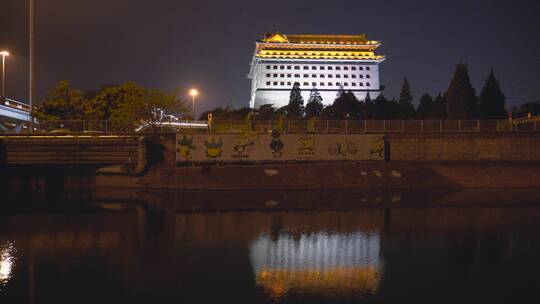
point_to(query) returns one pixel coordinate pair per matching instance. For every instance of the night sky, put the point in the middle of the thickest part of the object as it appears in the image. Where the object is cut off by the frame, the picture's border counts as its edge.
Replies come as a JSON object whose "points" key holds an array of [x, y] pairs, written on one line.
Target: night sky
{"points": [[208, 44]]}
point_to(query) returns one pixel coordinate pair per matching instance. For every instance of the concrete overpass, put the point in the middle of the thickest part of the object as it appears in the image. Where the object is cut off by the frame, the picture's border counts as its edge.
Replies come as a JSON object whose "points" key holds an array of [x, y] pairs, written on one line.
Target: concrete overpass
{"points": [[13, 114], [97, 151]]}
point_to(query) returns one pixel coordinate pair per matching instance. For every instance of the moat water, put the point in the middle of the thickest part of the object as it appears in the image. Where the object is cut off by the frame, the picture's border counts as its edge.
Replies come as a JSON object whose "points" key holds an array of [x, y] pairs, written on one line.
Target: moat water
{"points": [[380, 249]]}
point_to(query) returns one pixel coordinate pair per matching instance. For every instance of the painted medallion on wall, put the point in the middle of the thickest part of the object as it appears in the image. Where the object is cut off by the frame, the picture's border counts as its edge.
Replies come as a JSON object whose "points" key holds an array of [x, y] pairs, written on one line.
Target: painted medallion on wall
{"points": [[185, 145], [307, 146], [276, 144], [213, 146], [242, 145], [343, 148], [377, 147]]}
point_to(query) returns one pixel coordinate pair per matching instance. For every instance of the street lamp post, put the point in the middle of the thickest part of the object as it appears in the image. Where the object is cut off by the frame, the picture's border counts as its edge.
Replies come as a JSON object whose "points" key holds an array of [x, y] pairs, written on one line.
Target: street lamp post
{"points": [[31, 79], [4, 54], [193, 93]]}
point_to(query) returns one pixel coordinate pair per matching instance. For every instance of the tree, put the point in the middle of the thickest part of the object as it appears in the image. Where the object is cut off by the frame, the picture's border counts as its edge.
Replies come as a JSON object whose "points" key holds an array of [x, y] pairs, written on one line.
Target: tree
{"points": [[295, 108], [368, 108], [314, 106], [314, 95], [527, 108], [110, 97], [492, 100], [266, 112], [345, 106], [63, 103], [139, 106], [406, 107], [386, 109], [425, 106], [340, 91], [438, 110], [461, 101]]}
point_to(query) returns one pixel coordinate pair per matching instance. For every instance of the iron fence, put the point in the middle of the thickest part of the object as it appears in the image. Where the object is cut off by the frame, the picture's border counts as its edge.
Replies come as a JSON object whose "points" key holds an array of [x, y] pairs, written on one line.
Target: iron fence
{"points": [[293, 126], [373, 126]]}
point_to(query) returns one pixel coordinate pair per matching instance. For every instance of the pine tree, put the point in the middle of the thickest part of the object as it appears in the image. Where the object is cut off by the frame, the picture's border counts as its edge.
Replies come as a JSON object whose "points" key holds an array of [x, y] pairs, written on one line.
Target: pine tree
{"points": [[461, 101], [492, 100], [406, 107], [425, 106], [314, 95], [386, 109], [346, 105], [340, 91], [295, 108], [438, 110], [368, 107], [314, 105]]}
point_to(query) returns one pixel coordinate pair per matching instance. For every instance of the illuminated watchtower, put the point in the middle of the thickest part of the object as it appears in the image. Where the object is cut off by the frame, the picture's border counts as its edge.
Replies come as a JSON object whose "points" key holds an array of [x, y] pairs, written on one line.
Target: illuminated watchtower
{"points": [[329, 63]]}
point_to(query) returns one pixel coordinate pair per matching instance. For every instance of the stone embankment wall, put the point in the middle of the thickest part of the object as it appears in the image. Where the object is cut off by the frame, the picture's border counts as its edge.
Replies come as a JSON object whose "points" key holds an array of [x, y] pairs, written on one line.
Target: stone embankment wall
{"points": [[463, 146]]}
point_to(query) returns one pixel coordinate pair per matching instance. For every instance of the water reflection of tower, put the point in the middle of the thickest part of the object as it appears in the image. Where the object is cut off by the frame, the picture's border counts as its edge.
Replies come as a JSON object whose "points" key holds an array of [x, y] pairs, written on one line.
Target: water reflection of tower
{"points": [[321, 262]]}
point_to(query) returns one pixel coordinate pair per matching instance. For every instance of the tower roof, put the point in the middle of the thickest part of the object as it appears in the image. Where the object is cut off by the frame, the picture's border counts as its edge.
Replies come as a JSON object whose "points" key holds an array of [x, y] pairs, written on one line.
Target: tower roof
{"points": [[318, 39]]}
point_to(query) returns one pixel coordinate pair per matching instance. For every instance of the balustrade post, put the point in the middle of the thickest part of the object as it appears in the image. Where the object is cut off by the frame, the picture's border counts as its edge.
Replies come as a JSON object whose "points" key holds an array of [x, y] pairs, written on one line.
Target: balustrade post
{"points": [[459, 125], [384, 125], [327, 126], [365, 126], [422, 126], [346, 126], [402, 126], [440, 125], [478, 125]]}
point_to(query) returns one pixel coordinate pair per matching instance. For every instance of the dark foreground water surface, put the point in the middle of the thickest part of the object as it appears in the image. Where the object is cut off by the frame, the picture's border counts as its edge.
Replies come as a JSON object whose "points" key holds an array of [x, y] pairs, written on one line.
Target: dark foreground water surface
{"points": [[122, 252]]}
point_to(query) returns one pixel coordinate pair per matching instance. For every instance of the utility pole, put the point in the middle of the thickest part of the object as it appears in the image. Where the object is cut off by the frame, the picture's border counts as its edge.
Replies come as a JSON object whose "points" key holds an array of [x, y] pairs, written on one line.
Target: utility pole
{"points": [[31, 80]]}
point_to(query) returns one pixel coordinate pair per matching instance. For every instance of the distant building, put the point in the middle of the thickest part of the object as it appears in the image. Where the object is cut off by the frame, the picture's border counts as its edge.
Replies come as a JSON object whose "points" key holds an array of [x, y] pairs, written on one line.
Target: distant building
{"points": [[329, 63]]}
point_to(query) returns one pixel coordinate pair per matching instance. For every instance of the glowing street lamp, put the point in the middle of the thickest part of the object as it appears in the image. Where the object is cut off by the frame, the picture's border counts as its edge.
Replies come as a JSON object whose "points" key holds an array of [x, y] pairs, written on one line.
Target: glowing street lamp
{"points": [[193, 93], [4, 54]]}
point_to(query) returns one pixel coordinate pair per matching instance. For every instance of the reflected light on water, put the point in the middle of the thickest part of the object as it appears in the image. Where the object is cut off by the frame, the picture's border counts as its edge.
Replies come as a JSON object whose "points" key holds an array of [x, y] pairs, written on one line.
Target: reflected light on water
{"points": [[7, 262], [318, 263]]}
